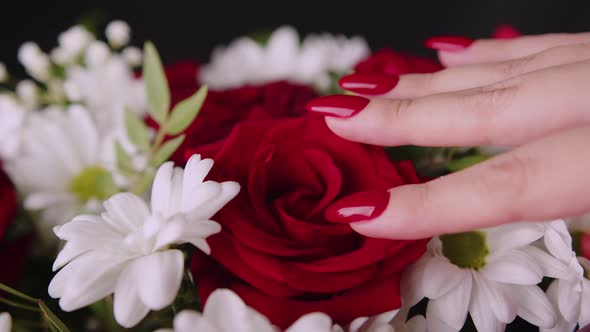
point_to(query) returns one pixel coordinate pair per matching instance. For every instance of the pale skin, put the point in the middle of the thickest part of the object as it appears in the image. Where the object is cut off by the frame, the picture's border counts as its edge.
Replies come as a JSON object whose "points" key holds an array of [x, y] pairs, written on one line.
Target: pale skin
{"points": [[530, 93]]}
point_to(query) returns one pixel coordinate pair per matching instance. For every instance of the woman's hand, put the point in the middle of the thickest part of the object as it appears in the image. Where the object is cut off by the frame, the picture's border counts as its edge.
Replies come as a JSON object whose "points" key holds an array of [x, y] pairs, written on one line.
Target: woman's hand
{"points": [[532, 93]]}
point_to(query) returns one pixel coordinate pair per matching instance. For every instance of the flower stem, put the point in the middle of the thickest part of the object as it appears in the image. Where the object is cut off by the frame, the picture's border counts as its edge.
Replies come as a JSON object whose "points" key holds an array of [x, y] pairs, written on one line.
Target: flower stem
{"points": [[19, 305], [16, 293]]}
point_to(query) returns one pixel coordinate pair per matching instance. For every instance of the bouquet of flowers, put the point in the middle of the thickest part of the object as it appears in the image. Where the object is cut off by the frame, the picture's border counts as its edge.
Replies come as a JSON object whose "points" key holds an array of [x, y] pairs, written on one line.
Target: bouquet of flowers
{"points": [[199, 197]]}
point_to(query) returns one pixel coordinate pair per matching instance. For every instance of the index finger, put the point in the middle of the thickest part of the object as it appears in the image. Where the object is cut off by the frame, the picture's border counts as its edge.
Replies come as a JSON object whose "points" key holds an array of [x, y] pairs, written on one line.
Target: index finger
{"points": [[541, 181]]}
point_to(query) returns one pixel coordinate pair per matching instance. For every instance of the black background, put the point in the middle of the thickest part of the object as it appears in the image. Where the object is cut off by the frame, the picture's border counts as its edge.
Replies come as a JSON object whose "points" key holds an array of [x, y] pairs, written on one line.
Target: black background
{"points": [[184, 29]]}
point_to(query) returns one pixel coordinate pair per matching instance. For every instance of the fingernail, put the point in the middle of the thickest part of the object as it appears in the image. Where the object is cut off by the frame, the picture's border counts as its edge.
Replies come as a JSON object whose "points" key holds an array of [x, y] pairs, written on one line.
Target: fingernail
{"points": [[448, 43], [363, 206], [369, 83], [342, 106]]}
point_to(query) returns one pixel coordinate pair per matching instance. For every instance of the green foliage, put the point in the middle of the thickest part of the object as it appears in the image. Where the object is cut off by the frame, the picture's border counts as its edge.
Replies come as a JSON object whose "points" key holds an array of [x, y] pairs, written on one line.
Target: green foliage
{"points": [[137, 131], [184, 113], [156, 85], [468, 161], [166, 150]]}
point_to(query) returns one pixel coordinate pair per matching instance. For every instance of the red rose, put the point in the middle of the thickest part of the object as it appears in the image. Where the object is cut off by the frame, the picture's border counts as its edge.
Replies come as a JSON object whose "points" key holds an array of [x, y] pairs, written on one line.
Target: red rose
{"points": [[222, 110], [387, 61], [12, 253], [275, 249], [8, 203], [182, 80]]}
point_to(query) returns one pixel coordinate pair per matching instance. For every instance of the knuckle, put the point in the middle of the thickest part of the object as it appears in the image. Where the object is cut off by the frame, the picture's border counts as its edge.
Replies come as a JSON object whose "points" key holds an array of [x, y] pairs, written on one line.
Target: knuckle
{"points": [[517, 67], [490, 103], [397, 109]]}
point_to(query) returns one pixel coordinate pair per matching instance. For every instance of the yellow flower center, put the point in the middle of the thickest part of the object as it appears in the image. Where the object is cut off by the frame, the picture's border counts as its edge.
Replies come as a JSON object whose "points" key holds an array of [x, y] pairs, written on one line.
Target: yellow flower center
{"points": [[466, 250], [93, 182]]}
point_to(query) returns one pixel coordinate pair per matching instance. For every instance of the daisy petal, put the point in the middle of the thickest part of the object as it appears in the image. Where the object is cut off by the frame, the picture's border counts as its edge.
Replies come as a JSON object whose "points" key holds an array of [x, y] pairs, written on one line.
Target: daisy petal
{"points": [[569, 297], [128, 308], [483, 318], [448, 276], [162, 188], [412, 284], [161, 277], [452, 307], [511, 236], [513, 267], [311, 322], [534, 306], [497, 298]]}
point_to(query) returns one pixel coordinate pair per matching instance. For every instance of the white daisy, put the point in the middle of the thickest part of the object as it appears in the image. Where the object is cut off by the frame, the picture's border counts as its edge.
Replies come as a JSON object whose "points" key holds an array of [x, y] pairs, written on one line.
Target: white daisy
{"points": [[391, 321], [490, 274], [12, 119], [284, 57], [572, 299], [60, 169], [226, 312], [129, 249], [5, 322], [570, 291]]}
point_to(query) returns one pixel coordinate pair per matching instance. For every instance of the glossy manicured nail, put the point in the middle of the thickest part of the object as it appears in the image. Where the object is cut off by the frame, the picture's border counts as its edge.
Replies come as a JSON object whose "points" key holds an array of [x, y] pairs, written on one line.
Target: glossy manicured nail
{"points": [[342, 106], [448, 43], [358, 207], [369, 83]]}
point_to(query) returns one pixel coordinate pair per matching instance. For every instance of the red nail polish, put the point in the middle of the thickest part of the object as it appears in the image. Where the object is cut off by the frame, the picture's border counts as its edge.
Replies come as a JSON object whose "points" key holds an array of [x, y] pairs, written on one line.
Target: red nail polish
{"points": [[448, 43], [342, 106], [369, 83], [358, 207]]}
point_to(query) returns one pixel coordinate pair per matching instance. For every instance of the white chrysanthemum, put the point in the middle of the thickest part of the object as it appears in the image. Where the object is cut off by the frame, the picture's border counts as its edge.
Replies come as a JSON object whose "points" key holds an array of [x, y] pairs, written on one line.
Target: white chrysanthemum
{"points": [[60, 168], [72, 43], [96, 54], [105, 88], [226, 312], [128, 249], [132, 55], [12, 119], [570, 292], [118, 33], [35, 61], [492, 274], [572, 299], [245, 61], [5, 322], [28, 93]]}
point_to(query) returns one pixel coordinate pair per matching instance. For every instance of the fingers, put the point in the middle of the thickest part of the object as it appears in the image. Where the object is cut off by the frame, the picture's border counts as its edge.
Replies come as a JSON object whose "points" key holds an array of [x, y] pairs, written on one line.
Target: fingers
{"points": [[471, 76], [545, 180], [494, 50], [508, 113]]}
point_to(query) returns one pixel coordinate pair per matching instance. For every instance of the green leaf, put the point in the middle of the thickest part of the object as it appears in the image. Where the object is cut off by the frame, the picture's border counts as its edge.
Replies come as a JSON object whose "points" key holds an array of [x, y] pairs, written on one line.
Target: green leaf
{"points": [[185, 112], [462, 163], [124, 163], [137, 131], [52, 318], [156, 85], [166, 151]]}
